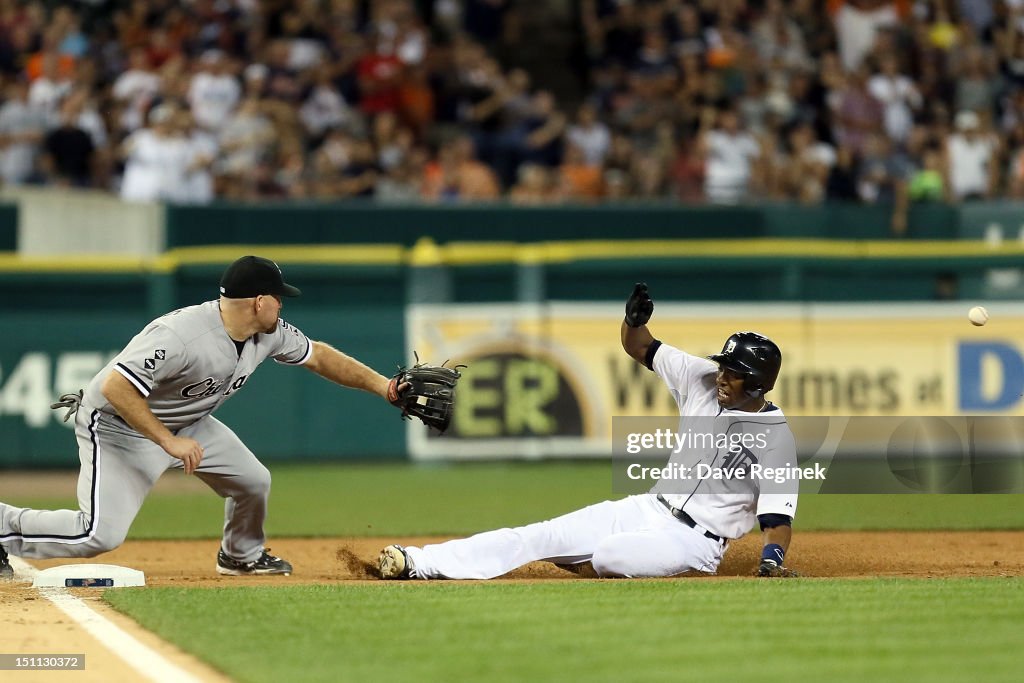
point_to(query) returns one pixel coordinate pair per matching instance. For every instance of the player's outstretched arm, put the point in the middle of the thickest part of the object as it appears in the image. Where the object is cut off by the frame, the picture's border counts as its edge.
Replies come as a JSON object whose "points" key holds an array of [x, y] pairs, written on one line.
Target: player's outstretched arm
{"points": [[635, 336], [337, 367]]}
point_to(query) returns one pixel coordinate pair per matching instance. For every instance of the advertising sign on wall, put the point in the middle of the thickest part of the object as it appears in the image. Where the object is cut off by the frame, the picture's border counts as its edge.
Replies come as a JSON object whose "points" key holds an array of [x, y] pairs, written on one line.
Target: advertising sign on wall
{"points": [[546, 380]]}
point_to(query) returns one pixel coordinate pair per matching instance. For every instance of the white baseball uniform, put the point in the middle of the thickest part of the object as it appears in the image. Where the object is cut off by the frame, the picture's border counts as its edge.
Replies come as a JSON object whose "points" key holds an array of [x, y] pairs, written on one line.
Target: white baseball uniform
{"points": [[639, 535], [185, 365]]}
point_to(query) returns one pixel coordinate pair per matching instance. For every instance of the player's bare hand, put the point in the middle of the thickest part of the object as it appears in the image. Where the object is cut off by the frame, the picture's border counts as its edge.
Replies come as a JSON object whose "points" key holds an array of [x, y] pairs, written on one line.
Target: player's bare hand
{"points": [[186, 450]]}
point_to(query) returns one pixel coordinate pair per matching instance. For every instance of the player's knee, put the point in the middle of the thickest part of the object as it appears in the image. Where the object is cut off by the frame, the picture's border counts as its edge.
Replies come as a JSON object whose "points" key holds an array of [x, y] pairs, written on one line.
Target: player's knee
{"points": [[609, 560], [257, 482], [103, 541]]}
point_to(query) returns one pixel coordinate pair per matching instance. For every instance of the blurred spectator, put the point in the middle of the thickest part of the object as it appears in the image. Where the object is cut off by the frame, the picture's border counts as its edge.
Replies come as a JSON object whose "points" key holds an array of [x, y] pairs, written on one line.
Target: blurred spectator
{"points": [[22, 127], [971, 159], [213, 92], [156, 159], [325, 107], [533, 186], [458, 175], [778, 37], [578, 180], [898, 95], [403, 183], [68, 150], [882, 171], [392, 141], [927, 183], [136, 89], [589, 135], [857, 22], [882, 179], [616, 185], [338, 98], [379, 72], [687, 173], [731, 156], [50, 87], [804, 170], [842, 177], [857, 113], [543, 130], [198, 184], [244, 140], [976, 83]]}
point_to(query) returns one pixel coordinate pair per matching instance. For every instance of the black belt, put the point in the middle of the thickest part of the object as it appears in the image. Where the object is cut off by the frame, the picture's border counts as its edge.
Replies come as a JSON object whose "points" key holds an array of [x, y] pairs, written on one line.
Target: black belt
{"points": [[685, 518]]}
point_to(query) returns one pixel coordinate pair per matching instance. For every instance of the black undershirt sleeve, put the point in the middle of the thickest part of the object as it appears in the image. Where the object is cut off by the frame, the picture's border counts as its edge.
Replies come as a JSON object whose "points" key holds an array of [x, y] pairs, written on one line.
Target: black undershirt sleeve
{"points": [[774, 519]]}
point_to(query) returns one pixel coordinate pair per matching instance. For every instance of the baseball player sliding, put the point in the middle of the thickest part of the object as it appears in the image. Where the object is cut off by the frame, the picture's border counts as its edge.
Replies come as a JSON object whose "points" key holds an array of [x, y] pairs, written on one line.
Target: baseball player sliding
{"points": [[658, 533], [151, 409]]}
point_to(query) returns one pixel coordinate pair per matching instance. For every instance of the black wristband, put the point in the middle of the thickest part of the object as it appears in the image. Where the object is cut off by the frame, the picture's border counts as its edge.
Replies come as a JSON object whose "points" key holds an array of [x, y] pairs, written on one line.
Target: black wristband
{"points": [[649, 356]]}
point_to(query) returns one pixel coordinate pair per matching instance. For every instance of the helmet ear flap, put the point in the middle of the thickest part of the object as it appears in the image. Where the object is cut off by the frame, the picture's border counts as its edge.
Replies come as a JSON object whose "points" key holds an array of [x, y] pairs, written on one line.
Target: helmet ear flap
{"points": [[751, 390]]}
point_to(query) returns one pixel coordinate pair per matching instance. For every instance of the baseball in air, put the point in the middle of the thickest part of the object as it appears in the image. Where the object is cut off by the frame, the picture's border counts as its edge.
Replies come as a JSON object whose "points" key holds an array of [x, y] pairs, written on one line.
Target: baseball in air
{"points": [[978, 315]]}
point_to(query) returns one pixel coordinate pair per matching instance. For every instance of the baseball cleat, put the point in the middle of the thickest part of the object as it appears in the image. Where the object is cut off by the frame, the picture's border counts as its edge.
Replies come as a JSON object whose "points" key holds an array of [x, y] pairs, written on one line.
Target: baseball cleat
{"points": [[6, 570], [264, 565], [394, 563]]}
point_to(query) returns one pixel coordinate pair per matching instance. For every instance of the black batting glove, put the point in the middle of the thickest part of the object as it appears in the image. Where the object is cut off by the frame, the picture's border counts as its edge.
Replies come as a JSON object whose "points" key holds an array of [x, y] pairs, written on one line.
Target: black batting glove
{"points": [[639, 307]]}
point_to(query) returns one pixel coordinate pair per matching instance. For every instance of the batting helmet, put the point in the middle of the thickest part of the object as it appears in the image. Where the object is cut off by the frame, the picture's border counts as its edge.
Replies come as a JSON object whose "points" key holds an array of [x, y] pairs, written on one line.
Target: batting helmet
{"points": [[754, 356]]}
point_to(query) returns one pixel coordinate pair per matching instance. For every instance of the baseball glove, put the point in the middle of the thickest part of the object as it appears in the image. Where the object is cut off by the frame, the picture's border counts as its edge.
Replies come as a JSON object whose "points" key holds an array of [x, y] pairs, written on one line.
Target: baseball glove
{"points": [[771, 570], [639, 306], [426, 392]]}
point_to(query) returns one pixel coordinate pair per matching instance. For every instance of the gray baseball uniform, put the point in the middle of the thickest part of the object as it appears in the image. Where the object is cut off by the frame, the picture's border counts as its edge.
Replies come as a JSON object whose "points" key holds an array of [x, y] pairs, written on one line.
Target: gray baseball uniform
{"points": [[186, 366]]}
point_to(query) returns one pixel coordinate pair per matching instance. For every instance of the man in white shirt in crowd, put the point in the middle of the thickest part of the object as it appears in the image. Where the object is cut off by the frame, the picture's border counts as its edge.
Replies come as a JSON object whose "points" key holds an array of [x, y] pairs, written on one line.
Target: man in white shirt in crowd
{"points": [[971, 159], [214, 92], [732, 158]]}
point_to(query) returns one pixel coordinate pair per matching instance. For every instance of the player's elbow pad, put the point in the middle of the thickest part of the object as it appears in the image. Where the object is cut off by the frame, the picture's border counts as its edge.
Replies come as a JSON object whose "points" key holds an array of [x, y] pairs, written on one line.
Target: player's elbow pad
{"points": [[774, 520]]}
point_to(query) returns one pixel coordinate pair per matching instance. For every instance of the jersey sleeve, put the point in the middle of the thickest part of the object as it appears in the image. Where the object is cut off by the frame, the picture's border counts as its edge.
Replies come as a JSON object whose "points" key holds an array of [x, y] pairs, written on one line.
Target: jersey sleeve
{"points": [[151, 357], [682, 372], [291, 346], [779, 496]]}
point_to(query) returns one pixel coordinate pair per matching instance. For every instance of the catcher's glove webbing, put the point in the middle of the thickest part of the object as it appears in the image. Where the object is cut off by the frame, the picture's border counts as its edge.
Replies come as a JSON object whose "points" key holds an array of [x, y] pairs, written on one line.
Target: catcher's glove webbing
{"points": [[426, 392]]}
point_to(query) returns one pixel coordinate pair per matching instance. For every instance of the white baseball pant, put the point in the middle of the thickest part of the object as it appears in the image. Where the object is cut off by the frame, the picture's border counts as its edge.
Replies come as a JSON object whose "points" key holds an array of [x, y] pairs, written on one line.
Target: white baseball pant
{"points": [[633, 537]]}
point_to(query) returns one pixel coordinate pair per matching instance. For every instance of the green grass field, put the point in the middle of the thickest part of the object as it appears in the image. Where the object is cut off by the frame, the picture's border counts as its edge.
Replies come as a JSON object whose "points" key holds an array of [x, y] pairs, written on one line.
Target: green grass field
{"points": [[325, 500], [813, 630], [689, 629]]}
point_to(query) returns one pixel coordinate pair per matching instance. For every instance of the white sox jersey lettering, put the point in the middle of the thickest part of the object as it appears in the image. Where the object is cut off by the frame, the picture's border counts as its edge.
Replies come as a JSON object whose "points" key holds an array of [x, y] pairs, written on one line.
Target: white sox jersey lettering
{"points": [[186, 365]]}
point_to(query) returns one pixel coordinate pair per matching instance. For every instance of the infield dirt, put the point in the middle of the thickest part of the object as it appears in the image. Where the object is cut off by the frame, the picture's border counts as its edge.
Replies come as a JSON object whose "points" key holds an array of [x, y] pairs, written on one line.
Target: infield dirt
{"points": [[854, 554]]}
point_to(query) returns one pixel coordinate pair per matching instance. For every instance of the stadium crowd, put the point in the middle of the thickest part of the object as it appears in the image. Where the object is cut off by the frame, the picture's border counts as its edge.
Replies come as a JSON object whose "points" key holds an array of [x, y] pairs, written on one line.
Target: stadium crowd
{"points": [[723, 101]]}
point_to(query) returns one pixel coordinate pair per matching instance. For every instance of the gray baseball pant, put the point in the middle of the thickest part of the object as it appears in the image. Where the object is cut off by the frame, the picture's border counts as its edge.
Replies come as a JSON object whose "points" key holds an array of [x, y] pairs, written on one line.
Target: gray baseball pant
{"points": [[118, 469]]}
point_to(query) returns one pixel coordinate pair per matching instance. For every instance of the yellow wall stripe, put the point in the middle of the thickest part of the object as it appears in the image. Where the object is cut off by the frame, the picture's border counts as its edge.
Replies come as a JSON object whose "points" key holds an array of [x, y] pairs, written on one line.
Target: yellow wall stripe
{"points": [[426, 252]]}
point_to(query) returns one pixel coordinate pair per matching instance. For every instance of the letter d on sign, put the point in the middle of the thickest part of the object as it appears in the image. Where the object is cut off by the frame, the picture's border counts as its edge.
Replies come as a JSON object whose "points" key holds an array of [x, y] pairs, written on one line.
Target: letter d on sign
{"points": [[972, 358]]}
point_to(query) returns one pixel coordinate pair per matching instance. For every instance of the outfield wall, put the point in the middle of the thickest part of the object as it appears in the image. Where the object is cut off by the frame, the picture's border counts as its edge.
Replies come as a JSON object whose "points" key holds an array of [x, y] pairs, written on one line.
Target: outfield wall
{"points": [[64, 318]]}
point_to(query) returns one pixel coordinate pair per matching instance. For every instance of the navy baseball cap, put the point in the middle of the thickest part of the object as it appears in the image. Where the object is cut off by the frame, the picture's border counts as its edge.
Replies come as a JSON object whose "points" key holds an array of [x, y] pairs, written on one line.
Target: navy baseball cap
{"points": [[251, 276]]}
